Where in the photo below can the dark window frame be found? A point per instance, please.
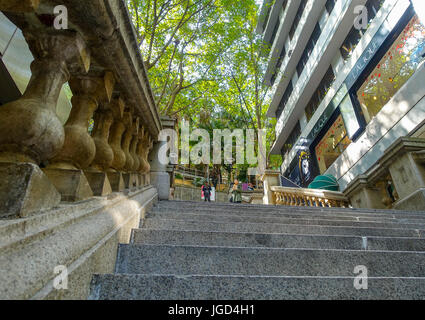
(285, 98)
(297, 19)
(320, 93)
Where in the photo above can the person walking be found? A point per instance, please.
(236, 192)
(206, 189)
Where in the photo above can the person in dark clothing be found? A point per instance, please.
(206, 189)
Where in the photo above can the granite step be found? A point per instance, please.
(195, 250)
(274, 240)
(281, 210)
(265, 214)
(193, 225)
(195, 260)
(184, 205)
(292, 212)
(195, 287)
(334, 221)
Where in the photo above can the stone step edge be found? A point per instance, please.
(239, 276)
(284, 224)
(303, 218)
(293, 213)
(141, 245)
(279, 207)
(281, 234)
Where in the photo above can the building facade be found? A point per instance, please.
(347, 82)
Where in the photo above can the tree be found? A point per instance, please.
(182, 41)
(205, 61)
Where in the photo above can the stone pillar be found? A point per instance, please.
(115, 139)
(364, 196)
(270, 179)
(160, 178)
(408, 175)
(160, 171)
(403, 161)
(30, 132)
(79, 150)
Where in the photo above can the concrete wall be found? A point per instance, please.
(83, 237)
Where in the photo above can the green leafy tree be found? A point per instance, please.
(205, 61)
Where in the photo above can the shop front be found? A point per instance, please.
(391, 59)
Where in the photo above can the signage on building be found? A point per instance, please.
(368, 54)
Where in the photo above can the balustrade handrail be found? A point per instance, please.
(308, 197)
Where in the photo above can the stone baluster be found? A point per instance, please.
(129, 178)
(134, 147)
(147, 150)
(79, 149)
(133, 152)
(115, 139)
(30, 131)
(103, 118)
(143, 152)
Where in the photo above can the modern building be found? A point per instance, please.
(346, 82)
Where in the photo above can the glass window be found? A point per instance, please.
(320, 93)
(278, 65)
(267, 16)
(330, 4)
(292, 139)
(373, 7)
(282, 12)
(353, 38)
(284, 100)
(332, 145)
(309, 49)
(350, 43)
(393, 70)
(297, 18)
(276, 28)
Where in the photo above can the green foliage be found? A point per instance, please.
(198, 182)
(205, 61)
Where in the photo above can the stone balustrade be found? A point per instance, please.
(43, 162)
(70, 191)
(308, 198)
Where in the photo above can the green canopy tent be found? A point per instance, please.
(325, 182)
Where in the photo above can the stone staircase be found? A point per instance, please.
(193, 250)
